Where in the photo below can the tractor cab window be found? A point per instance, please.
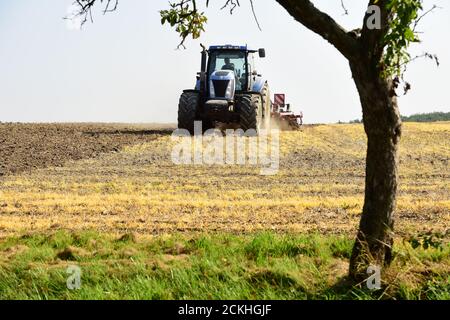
(230, 60)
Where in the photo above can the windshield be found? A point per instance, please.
(229, 60)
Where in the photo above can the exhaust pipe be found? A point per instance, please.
(202, 73)
(204, 55)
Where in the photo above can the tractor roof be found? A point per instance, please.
(231, 47)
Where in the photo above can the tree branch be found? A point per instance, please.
(416, 23)
(321, 23)
(254, 15)
(344, 7)
(107, 9)
(372, 38)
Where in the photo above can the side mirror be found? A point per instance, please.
(262, 53)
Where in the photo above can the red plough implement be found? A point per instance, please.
(283, 116)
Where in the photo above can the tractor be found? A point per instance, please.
(228, 91)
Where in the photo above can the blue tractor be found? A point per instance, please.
(229, 90)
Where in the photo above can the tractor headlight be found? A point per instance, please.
(229, 93)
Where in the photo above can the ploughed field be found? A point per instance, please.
(118, 178)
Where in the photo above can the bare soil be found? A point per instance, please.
(29, 146)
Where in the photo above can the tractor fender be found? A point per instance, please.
(197, 85)
(258, 85)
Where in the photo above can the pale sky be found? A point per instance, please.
(124, 67)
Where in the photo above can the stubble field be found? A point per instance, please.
(119, 181)
(128, 183)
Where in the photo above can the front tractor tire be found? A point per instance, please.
(250, 112)
(188, 110)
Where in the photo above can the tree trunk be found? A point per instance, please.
(382, 124)
(364, 49)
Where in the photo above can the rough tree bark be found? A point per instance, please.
(382, 125)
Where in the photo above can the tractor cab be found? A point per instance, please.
(229, 70)
(227, 62)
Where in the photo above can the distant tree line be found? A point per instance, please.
(427, 117)
(419, 117)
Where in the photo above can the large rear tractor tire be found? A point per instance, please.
(250, 112)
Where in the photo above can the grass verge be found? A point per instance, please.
(209, 266)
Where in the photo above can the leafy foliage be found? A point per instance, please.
(186, 19)
(404, 18)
